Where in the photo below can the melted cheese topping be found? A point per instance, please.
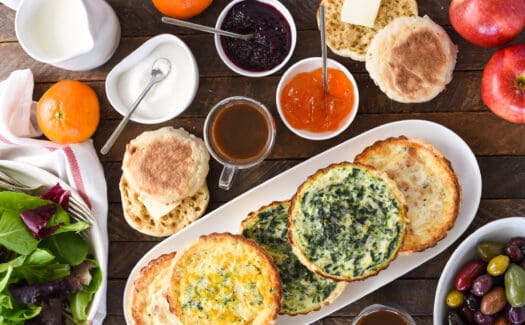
(157, 209)
(303, 290)
(224, 282)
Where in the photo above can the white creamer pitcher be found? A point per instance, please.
(69, 34)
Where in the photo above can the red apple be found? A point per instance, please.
(503, 83)
(487, 23)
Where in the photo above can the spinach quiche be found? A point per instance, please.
(426, 178)
(347, 221)
(224, 279)
(303, 290)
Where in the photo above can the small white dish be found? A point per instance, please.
(248, 73)
(308, 65)
(189, 81)
(499, 231)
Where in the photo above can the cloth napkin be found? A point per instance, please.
(75, 164)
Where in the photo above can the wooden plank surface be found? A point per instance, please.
(498, 145)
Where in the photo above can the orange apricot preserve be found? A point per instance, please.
(305, 106)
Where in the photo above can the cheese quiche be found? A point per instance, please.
(146, 303)
(303, 290)
(431, 188)
(347, 221)
(224, 279)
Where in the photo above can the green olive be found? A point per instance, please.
(487, 250)
(515, 286)
(498, 265)
(455, 298)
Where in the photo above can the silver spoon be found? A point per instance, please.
(159, 70)
(323, 47)
(202, 28)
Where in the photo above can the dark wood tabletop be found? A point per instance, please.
(499, 145)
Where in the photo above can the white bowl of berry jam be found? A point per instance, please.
(471, 285)
(272, 45)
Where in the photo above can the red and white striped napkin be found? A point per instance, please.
(75, 164)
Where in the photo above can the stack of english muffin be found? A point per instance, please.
(163, 184)
(410, 58)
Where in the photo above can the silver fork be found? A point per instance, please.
(77, 209)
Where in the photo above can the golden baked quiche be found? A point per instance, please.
(224, 279)
(347, 221)
(426, 178)
(303, 290)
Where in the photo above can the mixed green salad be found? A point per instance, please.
(47, 274)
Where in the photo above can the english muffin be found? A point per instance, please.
(347, 221)
(166, 165)
(411, 59)
(146, 302)
(224, 279)
(426, 178)
(353, 40)
(303, 291)
(185, 212)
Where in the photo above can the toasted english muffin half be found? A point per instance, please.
(426, 178)
(224, 279)
(412, 59)
(347, 221)
(147, 304)
(139, 218)
(303, 290)
(353, 40)
(166, 165)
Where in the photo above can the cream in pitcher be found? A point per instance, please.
(69, 34)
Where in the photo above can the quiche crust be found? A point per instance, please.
(224, 278)
(347, 221)
(303, 290)
(428, 181)
(146, 303)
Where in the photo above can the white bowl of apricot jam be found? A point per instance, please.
(303, 105)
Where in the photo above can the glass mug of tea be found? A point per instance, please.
(378, 314)
(239, 133)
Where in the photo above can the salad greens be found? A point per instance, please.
(45, 268)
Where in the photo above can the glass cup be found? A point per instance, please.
(378, 307)
(226, 121)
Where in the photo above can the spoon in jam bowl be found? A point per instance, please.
(202, 28)
(159, 71)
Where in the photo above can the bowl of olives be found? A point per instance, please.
(483, 282)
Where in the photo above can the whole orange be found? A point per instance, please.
(68, 112)
(182, 9)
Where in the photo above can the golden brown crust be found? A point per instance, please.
(271, 272)
(412, 59)
(140, 300)
(297, 196)
(418, 238)
(165, 165)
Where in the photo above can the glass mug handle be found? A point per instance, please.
(226, 178)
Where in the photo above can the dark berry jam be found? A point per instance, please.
(272, 36)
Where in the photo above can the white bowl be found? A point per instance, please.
(248, 73)
(143, 115)
(307, 65)
(500, 231)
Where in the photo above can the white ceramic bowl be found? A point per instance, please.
(307, 65)
(222, 54)
(141, 115)
(500, 231)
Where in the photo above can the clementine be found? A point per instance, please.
(68, 112)
(182, 9)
